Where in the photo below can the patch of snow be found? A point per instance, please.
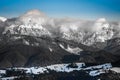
(27, 29)
(96, 72)
(35, 70)
(3, 19)
(99, 69)
(26, 42)
(61, 46)
(50, 49)
(56, 67)
(116, 69)
(92, 70)
(36, 44)
(64, 68)
(71, 50)
(103, 66)
(2, 71)
(15, 37)
(8, 78)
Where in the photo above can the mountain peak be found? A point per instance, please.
(34, 12)
(100, 24)
(33, 17)
(31, 24)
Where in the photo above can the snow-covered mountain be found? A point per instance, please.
(103, 32)
(36, 23)
(93, 34)
(34, 39)
(60, 37)
(100, 31)
(33, 17)
(30, 24)
(26, 29)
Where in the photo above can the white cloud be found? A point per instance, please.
(33, 16)
(65, 24)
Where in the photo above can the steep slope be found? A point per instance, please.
(113, 46)
(47, 52)
(17, 53)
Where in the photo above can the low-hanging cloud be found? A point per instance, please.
(64, 24)
(67, 24)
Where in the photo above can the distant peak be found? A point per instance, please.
(33, 16)
(35, 12)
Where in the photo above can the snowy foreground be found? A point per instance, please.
(92, 70)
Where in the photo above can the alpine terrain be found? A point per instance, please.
(35, 44)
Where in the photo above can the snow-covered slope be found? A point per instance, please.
(75, 50)
(27, 29)
(116, 69)
(3, 19)
(36, 23)
(92, 70)
(9, 78)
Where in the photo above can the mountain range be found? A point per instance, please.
(34, 39)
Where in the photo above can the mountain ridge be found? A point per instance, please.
(36, 40)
